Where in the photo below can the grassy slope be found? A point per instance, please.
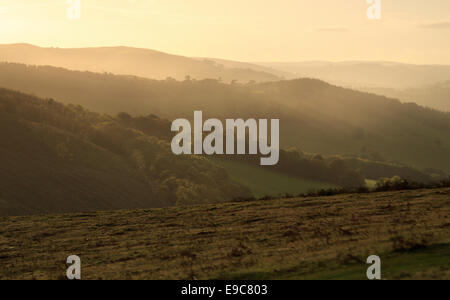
(263, 182)
(318, 238)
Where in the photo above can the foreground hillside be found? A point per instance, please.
(302, 238)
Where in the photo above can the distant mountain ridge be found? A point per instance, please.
(368, 74)
(406, 82)
(436, 96)
(132, 61)
(253, 66)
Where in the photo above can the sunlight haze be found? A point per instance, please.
(410, 31)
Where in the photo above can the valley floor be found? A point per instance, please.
(304, 238)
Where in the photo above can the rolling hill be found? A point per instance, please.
(134, 61)
(316, 117)
(426, 85)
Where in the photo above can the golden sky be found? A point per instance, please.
(412, 31)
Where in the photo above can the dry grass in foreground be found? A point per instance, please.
(319, 238)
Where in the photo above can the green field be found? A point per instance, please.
(264, 182)
(426, 263)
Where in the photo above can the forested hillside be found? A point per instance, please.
(315, 117)
(58, 158)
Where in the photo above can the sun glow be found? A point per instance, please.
(290, 30)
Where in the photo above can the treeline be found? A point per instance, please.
(383, 185)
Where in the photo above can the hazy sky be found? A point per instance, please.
(413, 31)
